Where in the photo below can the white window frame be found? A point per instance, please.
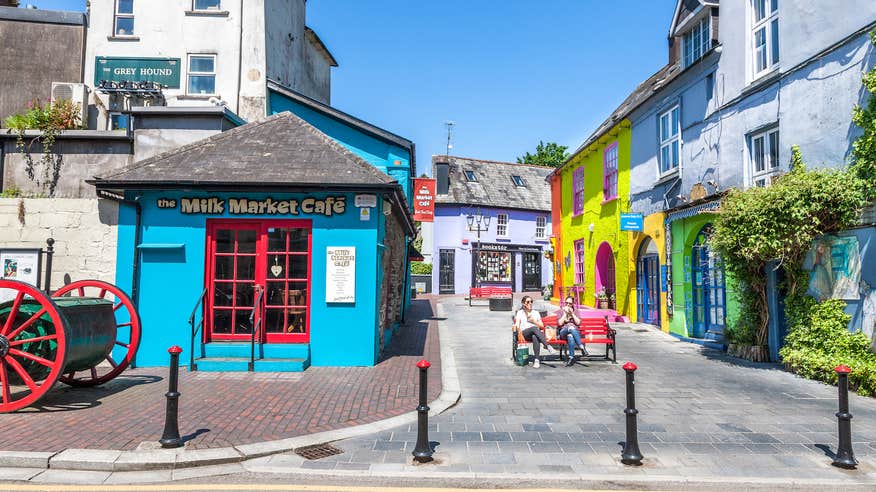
(767, 53)
(761, 147)
(122, 15)
(696, 42)
(189, 73)
(665, 142)
(540, 226)
(502, 225)
(196, 9)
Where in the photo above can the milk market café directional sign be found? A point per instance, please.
(164, 71)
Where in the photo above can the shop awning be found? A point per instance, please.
(413, 254)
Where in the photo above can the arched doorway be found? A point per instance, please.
(709, 299)
(647, 283)
(605, 277)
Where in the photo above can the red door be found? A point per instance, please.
(248, 257)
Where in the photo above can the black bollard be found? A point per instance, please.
(422, 451)
(631, 454)
(170, 438)
(845, 458)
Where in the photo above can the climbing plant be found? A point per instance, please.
(50, 120)
(778, 223)
(864, 147)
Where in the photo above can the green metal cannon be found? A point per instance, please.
(85, 334)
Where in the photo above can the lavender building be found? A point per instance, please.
(492, 225)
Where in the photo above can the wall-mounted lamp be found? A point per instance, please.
(591, 227)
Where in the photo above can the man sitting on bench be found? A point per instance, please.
(568, 324)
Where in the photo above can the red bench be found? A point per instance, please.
(592, 330)
(488, 293)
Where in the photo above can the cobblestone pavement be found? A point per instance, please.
(702, 415)
(226, 409)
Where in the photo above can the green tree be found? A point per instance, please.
(551, 154)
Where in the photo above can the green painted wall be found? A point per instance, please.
(684, 232)
(605, 217)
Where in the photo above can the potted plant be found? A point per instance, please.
(602, 298)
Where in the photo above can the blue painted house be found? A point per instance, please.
(284, 236)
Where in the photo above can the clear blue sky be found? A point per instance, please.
(509, 73)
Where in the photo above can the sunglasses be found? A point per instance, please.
(527, 302)
(569, 302)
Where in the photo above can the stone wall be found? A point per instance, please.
(84, 231)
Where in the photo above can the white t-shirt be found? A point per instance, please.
(522, 323)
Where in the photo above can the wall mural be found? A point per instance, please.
(834, 267)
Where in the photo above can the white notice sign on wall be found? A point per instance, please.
(340, 274)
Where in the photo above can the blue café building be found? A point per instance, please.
(279, 234)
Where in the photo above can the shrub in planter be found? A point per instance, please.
(420, 268)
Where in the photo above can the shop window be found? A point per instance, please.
(764, 157)
(205, 5)
(579, 262)
(246, 258)
(697, 42)
(764, 35)
(123, 21)
(540, 226)
(493, 266)
(201, 75)
(578, 191)
(609, 172)
(502, 225)
(670, 140)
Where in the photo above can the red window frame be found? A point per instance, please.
(261, 265)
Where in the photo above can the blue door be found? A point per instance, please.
(709, 298)
(647, 287)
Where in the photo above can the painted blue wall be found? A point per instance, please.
(172, 279)
(380, 153)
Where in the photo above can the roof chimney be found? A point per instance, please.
(441, 172)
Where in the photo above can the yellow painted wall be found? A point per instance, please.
(605, 217)
(653, 228)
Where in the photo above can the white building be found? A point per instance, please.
(202, 53)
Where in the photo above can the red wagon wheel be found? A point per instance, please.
(32, 345)
(127, 331)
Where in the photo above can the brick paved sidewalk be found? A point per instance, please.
(226, 409)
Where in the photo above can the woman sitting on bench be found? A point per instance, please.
(528, 325)
(568, 324)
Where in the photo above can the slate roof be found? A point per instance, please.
(494, 186)
(281, 150)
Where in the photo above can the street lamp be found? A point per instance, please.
(477, 222)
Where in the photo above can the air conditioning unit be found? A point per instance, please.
(74, 92)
